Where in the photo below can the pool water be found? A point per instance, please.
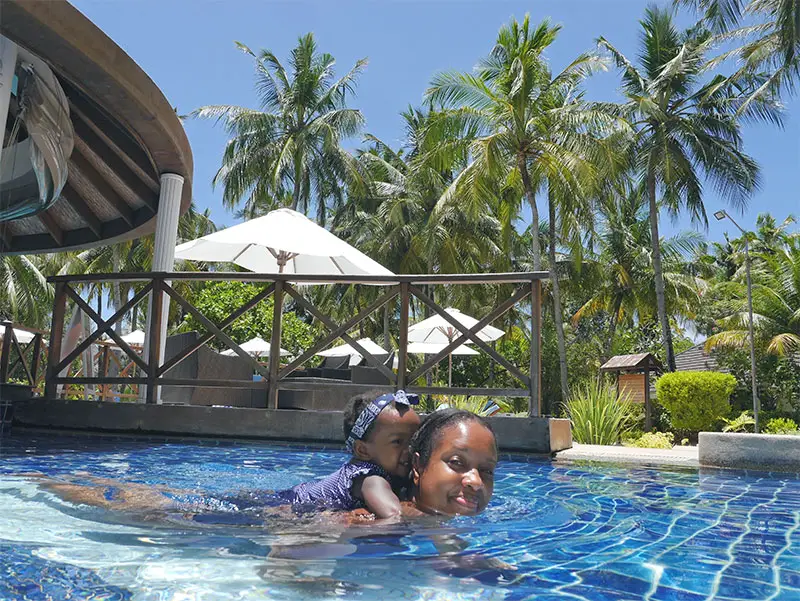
(552, 532)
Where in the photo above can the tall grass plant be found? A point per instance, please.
(598, 415)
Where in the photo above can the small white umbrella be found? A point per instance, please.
(282, 241)
(257, 347)
(432, 348)
(439, 331)
(429, 348)
(345, 350)
(22, 336)
(135, 338)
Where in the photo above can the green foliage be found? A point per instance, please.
(781, 425)
(652, 440)
(475, 404)
(598, 416)
(695, 399)
(744, 422)
(217, 300)
(289, 152)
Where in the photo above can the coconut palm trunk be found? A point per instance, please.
(661, 301)
(557, 311)
(531, 196)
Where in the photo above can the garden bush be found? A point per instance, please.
(745, 422)
(780, 425)
(696, 400)
(598, 416)
(653, 440)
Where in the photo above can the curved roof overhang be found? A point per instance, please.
(126, 134)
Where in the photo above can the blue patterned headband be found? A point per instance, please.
(371, 412)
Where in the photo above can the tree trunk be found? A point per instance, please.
(661, 301)
(531, 196)
(612, 330)
(298, 176)
(557, 311)
(116, 292)
(387, 342)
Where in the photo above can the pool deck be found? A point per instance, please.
(677, 456)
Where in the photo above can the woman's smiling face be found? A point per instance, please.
(459, 476)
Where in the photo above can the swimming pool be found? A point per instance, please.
(552, 532)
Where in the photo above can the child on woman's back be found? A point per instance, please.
(377, 428)
(377, 431)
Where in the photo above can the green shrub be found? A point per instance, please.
(696, 400)
(598, 416)
(653, 440)
(744, 423)
(780, 425)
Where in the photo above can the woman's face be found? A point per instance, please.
(459, 477)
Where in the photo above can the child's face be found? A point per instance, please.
(459, 476)
(388, 442)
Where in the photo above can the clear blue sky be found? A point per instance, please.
(186, 46)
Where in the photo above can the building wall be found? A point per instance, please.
(633, 385)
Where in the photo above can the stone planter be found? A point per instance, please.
(769, 452)
(15, 392)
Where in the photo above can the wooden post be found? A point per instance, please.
(402, 351)
(56, 337)
(36, 359)
(8, 332)
(275, 345)
(154, 358)
(648, 418)
(104, 372)
(535, 402)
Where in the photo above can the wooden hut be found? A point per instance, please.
(633, 378)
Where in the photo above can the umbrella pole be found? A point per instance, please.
(450, 371)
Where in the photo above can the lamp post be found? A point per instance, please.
(720, 215)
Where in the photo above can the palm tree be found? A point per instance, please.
(684, 129)
(776, 296)
(619, 272)
(534, 131)
(399, 220)
(772, 52)
(289, 151)
(25, 295)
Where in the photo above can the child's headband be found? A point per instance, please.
(371, 412)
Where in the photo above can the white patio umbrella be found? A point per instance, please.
(282, 241)
(257, 347)
(432, 348)
(22, 336)
(436, 330)
(344, 350)
(135, 338)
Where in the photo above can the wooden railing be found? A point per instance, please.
(27, 357)
(157, 286)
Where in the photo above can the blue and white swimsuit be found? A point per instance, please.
(331, 492)
(334, 491)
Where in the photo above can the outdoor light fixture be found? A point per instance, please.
(720, 215)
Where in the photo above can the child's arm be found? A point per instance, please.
(379, 497)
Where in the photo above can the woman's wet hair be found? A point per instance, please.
(353, 409)
(430, 432)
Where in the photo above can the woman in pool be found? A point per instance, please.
(453, 456)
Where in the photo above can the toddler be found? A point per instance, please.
(377, 432)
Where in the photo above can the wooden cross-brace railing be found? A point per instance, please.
(155, 371)
(28, 357)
